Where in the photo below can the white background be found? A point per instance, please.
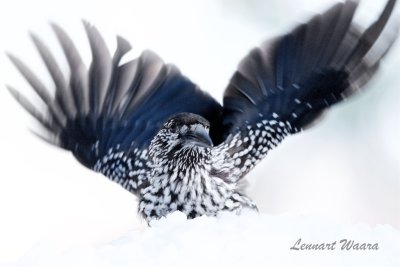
(347, 168)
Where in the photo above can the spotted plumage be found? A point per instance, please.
(150, 129)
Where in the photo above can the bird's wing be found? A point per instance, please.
(284, 85)
(107, 115)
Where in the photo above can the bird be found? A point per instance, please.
(147, 127)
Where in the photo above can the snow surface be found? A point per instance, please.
(248, 240)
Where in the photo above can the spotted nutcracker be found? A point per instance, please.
(150, 129)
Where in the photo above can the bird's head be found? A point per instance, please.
(182, 133)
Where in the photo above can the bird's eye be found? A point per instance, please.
(172, 125)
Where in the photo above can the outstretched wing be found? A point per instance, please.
(107, 115)
(281, 87)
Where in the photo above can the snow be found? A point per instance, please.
(248, 240)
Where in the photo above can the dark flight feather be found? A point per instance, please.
(305, 71)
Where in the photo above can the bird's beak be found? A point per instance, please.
(199, 136)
